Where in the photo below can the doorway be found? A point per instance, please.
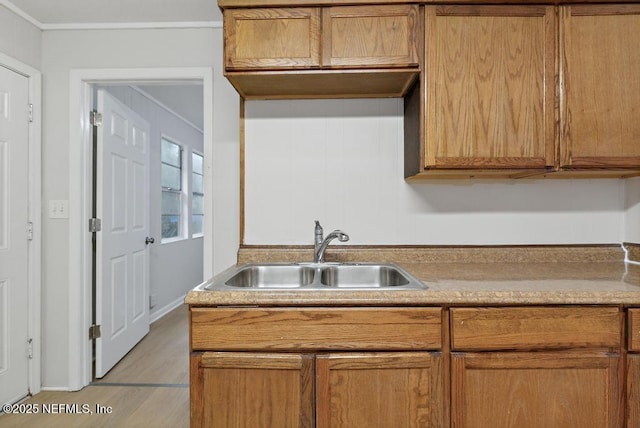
(81, 95)
(149, 251)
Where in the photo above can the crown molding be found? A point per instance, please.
(130, 25)
(21, 13)
(108, 25)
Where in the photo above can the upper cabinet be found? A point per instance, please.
(490, 74)
(322, 52)
(490, 90)
(274, 39)
(374, 36)
(600, 86)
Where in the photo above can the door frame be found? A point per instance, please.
(80, 193)
(34, 248)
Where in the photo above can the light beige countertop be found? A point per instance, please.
(497, 276)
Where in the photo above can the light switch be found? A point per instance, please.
(58, 208)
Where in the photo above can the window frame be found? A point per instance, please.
(181, 235)
(194, 193)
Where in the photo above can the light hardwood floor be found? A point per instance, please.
(148, 388)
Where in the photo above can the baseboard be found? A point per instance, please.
(155, 316)
(55, 388)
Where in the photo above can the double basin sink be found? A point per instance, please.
(315, 276)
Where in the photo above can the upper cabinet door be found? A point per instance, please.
(372, 36)
(490, 80)
(600, 92)
(278, 38)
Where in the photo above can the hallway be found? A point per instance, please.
(148, 387)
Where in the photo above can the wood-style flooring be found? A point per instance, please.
(149, 387)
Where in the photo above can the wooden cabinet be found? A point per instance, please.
(244, 389)
(490, 85)
(572, 378)
(351, 389)
(507, 91)
(374, 36)
(402, 389)
(323, 52)
(324, 367)
(526, 366)
(633, 390)
(535, 389)
(274, 38)
(633, 368)
(600, 87)
(491, 90)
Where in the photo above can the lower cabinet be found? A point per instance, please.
(346, 389)
(633, 368)
(461, 367)
(535, 389)
(531, 367)
(633, 390)
(402, 389)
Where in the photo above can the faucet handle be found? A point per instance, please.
(318, 234)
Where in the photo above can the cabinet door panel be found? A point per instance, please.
(531, 390)
(490, 73)
(379, 389)
(272, 38)
(371, 36)
(256, 390)
(633, 390)
(634, 329)
(600, 50)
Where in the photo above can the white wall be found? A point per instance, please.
(632, 218)
(341, 162)
(63, 51)
(20, 39)
(176, 266)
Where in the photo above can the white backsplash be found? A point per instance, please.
(341, 162)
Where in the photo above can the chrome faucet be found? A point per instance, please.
(321, 243)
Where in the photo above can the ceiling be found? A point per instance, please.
(56, 12)
(185, 99)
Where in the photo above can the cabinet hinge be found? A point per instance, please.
(96, 118)
(29, 231)
(30, 348)
(30, 112)
(94, 331)
(95, 225)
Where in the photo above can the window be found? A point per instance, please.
(171, 156)
(197, 194)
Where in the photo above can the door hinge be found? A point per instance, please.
(95, 225)
(94, 332)
(30, 112)
(96, 118)
(29, 231)
(30, 348)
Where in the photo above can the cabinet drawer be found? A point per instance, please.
(535, 327)
(634, 329)
(316, 329)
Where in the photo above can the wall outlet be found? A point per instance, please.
(58, 208)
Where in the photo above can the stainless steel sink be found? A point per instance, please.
(363, 276)
(272, 276)
(316, 276)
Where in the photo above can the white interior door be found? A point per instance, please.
(14, 176)
(122, 262)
